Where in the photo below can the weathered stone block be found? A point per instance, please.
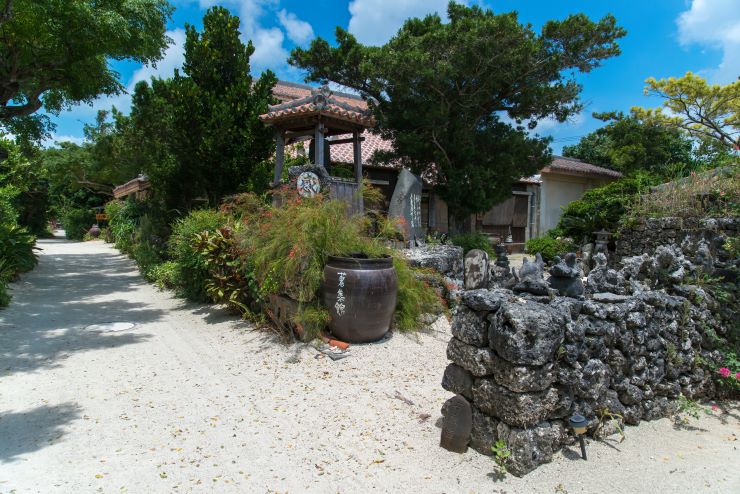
(456, 425)
(526, 334)
(517, 409)
(457, 380)
(483, 434)
(522, 378)
(486, 300)
(531, 447)
(476, 269)
(470, 326)
(479, 361)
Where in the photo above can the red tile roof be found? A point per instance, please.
(290, 91)
(572, 166)
(320, 102)
(343, 153)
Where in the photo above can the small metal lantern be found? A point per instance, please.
(580, 425)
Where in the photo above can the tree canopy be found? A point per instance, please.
(54, 53)
(707, 111)
(453, 97)
(630, 145)
(197, 135)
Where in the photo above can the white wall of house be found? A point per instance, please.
(559, 190)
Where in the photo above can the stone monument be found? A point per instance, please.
(406, 205)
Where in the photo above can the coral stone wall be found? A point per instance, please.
(628, 342)
(527, 366)
(646, 236)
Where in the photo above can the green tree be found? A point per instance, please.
(55, 53)
(629, 145)
(440, 91)
(24, 194)
(708, 111)
(198, 134)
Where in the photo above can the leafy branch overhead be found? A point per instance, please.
(55, 53)
(707, 111)
(442, 92)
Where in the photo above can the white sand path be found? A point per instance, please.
(193, 400)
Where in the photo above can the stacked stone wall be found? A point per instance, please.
(686, 233)
(626, 343)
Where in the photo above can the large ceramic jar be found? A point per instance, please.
(360, 294)
(94, 231)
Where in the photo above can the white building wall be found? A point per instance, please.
(557, 191)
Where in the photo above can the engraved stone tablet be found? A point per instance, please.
(457, 424)
(406, 204)
(476, 269)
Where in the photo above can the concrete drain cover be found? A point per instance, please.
(111, 326)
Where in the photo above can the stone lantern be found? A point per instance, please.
(602, 241)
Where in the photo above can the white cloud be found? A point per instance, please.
(298, 31)
(714, 23)
(269, 52)
(56, 138)
(551, 124)
(374, 22)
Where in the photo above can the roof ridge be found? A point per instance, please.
(299, 85)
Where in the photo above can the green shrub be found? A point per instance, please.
(230, 280)
(291, 244)
(4, 295)
(5, 276)
(288, 247)
(549, 247)
(599, 208)
(713, 193)
(192, 271)
(8, 212)
(77, 222)
(164, 275)
(474, 240)
(123, 217)
(415, 297)
(16, 251)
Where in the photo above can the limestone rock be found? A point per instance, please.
(483, 435)
(476, 269)
(479, 361)
(517, 409)
(530, 277)
(470, 326)
(565, 276)
(486, 300)
(531, 447)
(457, 380)
(526, 334)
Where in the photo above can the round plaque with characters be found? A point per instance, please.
(308, 184)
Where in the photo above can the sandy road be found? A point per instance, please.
(192, 400)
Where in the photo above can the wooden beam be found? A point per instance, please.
(343, 141)
(319, 145)
(279, 157)
(358, 167)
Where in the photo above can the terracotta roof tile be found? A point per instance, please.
(289, 91)
(574, 166)
(317, 102)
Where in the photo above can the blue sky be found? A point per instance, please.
(664, 38)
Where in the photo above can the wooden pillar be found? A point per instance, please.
(279, 157)
(319, 145)
(357, 148)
